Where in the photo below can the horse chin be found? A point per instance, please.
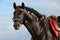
(17, 27)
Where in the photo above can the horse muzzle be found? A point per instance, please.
(17, 26)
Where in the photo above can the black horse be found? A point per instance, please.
(36, 23)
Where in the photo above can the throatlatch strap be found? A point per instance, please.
(54, 29)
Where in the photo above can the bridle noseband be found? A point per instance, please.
(17, 19)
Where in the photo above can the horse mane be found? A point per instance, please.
(32, 10)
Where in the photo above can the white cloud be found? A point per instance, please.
(58, 2)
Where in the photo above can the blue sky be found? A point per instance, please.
(7, 32)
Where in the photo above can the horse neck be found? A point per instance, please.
(27, 22)
(33, 28)
(32, 25)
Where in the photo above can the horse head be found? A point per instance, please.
(18, 16)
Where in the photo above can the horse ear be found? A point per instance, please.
(14, 5)
(23, 5)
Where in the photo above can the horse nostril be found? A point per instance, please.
(18, 25)
(14, 25)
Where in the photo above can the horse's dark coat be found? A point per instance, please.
(39, 30)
